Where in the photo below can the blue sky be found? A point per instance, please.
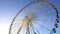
(9, 8)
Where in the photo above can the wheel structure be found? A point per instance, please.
(37, 17)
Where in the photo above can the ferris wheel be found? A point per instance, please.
(37, 17)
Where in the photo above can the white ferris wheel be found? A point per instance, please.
(37, 17)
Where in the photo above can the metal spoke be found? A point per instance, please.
(51, 21)
(42, 26)
(19, 29)
(45, 15)
(33, 28)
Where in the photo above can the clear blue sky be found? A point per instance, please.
(9, 8)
